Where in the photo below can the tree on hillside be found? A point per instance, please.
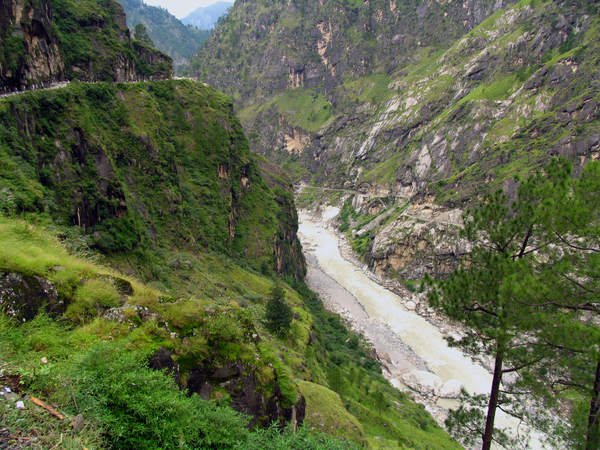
(380, 401)
(278, 313)
(496, 290)
(141, 34)
(336, 380)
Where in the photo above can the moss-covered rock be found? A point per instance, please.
(325, 412)
(24, 296)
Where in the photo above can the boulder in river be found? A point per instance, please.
(451, 389)
(425, 383)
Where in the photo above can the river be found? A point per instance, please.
(425, 340)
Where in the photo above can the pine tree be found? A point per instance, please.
(380, 401)
(278, 313)
(567, 293)
(141, 34)
(336, 380)
(486, 293)
(529, 289)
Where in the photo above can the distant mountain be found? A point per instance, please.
(169, 35)
(206, 17)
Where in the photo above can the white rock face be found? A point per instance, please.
(451, 389)
(410, 305)
(423, 382)
(396, 383)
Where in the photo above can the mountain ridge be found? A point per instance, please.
(206, 17)
(335, 105)
(420, 106)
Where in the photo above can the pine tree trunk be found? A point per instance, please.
(592, 431)
(493, 404)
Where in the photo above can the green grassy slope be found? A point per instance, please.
(96, 362)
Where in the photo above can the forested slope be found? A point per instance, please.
(169, 34)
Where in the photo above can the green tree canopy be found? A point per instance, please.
(532, 270)
(278, 313)
(141, 34)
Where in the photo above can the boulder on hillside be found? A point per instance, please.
(162, 360)
(451, 389)
(24, 296)
(425, 383)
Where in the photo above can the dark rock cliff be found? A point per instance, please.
(31, 55)
(48, 41)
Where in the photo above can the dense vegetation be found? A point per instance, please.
(97, 363)
(95, 45)
(166, 164)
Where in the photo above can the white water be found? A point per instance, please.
(424, 339)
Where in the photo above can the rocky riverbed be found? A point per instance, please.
(402, 367)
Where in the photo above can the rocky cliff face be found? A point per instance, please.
(413, 95)
(265, 47)
(26, 29)
(47, 41)
(144, 165)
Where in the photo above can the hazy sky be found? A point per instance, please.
(181, 8)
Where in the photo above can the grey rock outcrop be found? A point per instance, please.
(24, 296)
(451, 389)
(425, 383)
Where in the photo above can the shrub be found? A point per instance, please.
(278, 313)
(94, 295)
(253, 297)
(143, 409)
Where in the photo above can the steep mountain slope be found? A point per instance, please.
(206, 17)
(168, 33)
(167, 164)
(158, 176)
(47, 41)
(434, 102)
(314, 90)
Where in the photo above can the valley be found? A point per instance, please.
(339, 200)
